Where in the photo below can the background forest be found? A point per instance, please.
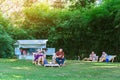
(77, 26)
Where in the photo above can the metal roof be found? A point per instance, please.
(44, 41)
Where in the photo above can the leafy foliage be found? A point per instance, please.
(89, 30)
(79, 29)
(6, 41)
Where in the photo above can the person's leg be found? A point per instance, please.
(96, 58)
(93, 59)
(89, 59)
(42, 60)
(62, 61)
(58, 60)
(103, 59)
(45, 61)
(39, 59)
(35, 59)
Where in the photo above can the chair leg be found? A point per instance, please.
(112, 60)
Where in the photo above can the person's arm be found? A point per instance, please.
(63, 55)
(44, 56)
(105, 54)
(54, 56)
(57, 56)
(95, 55)
(90, 56)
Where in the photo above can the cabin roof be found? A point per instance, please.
(31, 42)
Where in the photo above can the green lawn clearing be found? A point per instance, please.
(13, 69)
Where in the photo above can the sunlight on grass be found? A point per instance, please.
(104, 67)
(16, 76)
(12, 60)
(8, 60)
(21, 68)
(104, 64)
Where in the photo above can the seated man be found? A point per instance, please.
(60, 57)
(103, 57)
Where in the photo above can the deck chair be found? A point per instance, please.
(110, 58)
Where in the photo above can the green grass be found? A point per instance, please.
(12, 69)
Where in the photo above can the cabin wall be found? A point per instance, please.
(29, 57)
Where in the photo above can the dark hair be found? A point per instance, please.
(45, 49)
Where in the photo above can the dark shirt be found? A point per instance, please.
(60, 54)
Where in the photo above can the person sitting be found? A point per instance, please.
(60, 57)
(41, 58)
(103, 57)
(92, 57)
(38, 57)
(44, 55)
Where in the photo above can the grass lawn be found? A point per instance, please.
(12, 69)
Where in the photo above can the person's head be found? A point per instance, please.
(103, 52)
(60, 50)
(45, 49)
(39, 51)
(92, 52)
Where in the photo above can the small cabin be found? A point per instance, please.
(24, 49)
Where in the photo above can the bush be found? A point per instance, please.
(6, 42)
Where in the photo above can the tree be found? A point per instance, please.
(6, 48)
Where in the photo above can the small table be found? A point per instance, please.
(51, 65)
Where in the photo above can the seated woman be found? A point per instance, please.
(38, 57)
(92, 57)
(41, 58)
(103, 57)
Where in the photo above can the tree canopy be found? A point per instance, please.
(77, 26)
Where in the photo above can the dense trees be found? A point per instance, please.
(89, 29)
(79, 28)
(6, 48)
